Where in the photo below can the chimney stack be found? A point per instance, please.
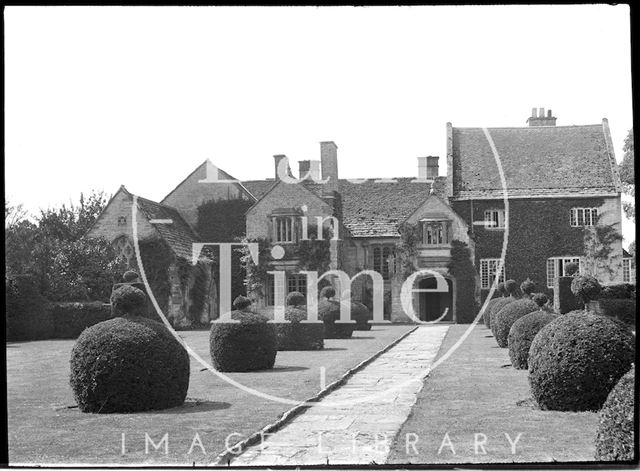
(538, 118)
(432, 167)
(276, 160)
(329, 163)
(303, 168)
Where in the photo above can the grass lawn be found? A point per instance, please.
(475, 392)
(43, 429)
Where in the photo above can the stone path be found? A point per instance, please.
(341, 431)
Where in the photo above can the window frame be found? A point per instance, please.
(386, 250)
(486, 272)
(445, 226)
(552, 274)
(628, 270)
(490, 222)
(278, 231)
(578, 216)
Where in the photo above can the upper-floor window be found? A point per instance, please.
(284, 229)
(556, 266)
(628, 270)
(489, 271)
(435, 232)
(494, 219)
(584, 217)
(124, 249)
(122, 221)
(383, 260)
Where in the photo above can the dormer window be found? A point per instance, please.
(284, 229)
(494, 219)
(435, 232)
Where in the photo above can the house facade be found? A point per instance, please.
(528, 193)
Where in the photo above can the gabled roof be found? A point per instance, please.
(375, 209)
(371, 208)
(537, 161)
(222, 175)
(178, 234)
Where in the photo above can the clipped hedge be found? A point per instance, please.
(563, 298)
(27, 313)
(361, 314)
(576, 360)
(496, 307)
(329, 313)
(504, 319)
(622, 309)
(619, 291)
(128, 365)
(614, 439)
(251, 344)
(486, 315)
(522, 333)
(70, 319)
(296, 335)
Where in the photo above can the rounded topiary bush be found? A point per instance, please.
(571, 268)
(522, 333)
(614, 439)
(496, 307)
(527, 287)
(128, 365)
(247, 345)
(511, 287)
(576, 359)
(296, 335)
(241, 303)
(504, 319)
(127, 300)
(295, 298)
(327, 292)
(361, 314)
(540, 299)
(585, 288)
(329, 313)
(486, 315)
(130, 276)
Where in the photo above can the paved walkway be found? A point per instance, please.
(341, 431)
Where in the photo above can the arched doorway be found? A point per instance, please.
(432, 305)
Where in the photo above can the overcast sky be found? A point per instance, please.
(97, 97)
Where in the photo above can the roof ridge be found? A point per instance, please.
(529, 127)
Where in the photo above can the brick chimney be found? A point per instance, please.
(310, 166)
(329, 163)
(538, 118)
(276, 162)
(303, 168)
(428, 168)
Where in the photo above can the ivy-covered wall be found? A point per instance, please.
(538, 229)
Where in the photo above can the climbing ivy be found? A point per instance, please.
(225, 221)
(538, 230)
(406, 251)
(464, 273)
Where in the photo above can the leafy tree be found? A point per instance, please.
(598, 246)
(627, 176)
(65, 265)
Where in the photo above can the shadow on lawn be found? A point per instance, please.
(281, 369)
(192, 406)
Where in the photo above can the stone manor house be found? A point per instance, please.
(546, 186)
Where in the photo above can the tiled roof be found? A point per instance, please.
(178, 234)
(258, 187)
(537, 161)
(371, 209)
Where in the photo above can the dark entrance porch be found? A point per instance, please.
(431, 306)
